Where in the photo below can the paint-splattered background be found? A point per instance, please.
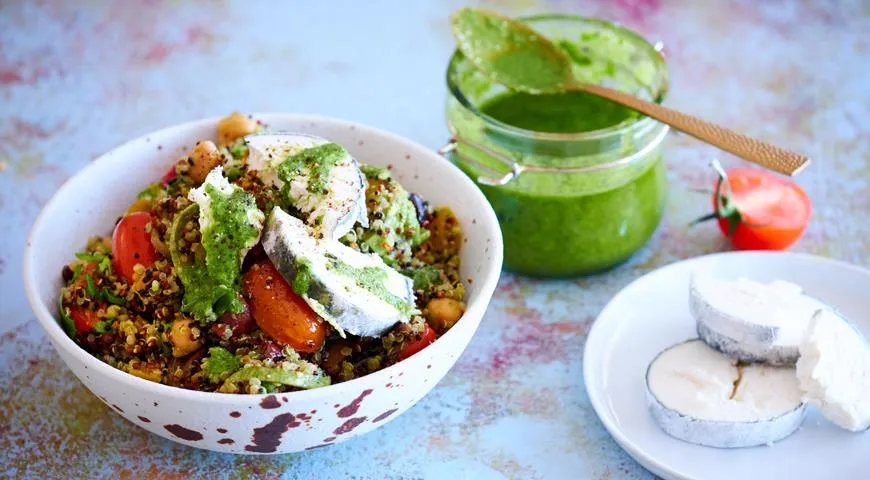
(77, 78)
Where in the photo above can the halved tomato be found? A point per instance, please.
(131, 244)
(279, 311)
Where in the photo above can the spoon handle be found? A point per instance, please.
(747, 148)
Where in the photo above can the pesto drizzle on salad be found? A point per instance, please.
(372, 279)
(318, 161)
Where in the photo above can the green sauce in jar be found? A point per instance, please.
(592, 182)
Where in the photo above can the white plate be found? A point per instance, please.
(652, 314)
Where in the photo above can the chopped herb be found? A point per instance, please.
(152, 191)
(238, 149)
(69, 326)
(102, 293)
(111, 298)
(90, 288)
(104, 262)
(77, 272)
(89, 257)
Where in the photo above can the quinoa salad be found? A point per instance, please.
(265, 262)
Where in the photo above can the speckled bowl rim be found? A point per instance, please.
(477, 301)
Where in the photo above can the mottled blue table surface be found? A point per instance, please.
(78, 78)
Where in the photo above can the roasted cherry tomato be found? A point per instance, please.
(279, 311)
(418, 342)
(84, 319)
(758, 210)
(131, 244)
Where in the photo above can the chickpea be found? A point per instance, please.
(182, 337)
(234, 127)
(443, 313)
(203, 158)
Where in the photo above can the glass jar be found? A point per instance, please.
(568, 204)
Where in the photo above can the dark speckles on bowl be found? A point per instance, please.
(384, 415)
(349, 425)
(267, 438)
(183, 432)
(353, 406)
(270, 402)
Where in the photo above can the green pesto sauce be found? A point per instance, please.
(559, 230)
(204, 297)
(230, 233)
(510, 52)
(372, 280)
(302, 279)
(316, 162)
(567, 112)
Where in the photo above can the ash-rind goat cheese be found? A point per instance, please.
(355, 292)
(699, 395)
(317, 177)
(751, 321)
(834, 371)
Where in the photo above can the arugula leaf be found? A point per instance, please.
(220, 364)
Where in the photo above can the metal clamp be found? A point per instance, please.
(515, 169)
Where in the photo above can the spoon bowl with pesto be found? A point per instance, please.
(513, 54)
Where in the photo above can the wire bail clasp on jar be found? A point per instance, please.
(515, 168)
(496, 178)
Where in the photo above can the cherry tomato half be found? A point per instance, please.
(84, 319)
(418, 342)
(279, 311)
(765, 211)
(131, 244)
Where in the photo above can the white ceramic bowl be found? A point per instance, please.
(90, 202)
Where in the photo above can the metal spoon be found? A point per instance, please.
(518, 57)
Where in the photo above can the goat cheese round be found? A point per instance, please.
(751, 321)
(700, 396)
(834, 371)
(319, 178)
(355, 292)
